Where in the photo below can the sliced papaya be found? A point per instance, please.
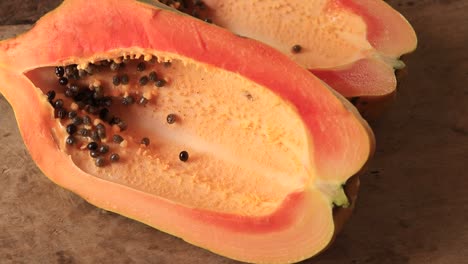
(182, 125)
(352, 45)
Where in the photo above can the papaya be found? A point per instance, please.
(352, 45)
(182, 125)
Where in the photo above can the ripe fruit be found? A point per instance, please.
(268, 146)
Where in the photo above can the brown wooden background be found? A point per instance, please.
(413, 205)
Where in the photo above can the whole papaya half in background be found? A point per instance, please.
(352, 45)
(182, 125)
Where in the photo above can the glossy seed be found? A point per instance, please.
(114, 66)
(100, 126)
(91, 109)
(94, 136)
(94, 153)
(171, 118)
(71, 129)
(145, 141)
(128, 100)
(296, 48)
(104, 149)
(153, 76)
(141, 66)
(101, 133)
(160, 83)
(100, 161)
(207, 20)
(70, 140)
(124, 79)
(83, 132)
(86, 120)
(72, 114)
(92, 146)
(114, 120)
(122, 125)
(117, 139)
(69, 93)
(70, 70)
(59, 71)
(51, 95)
(82, 73)
(116, 80)
(63, 81)
(58, 104)
(60, 113)
(114, 157)
(143, 80)
(91, 69)
(143, 101)
(183, 156)
(77, 120)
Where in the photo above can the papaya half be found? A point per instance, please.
(187, 127)
(352, 45)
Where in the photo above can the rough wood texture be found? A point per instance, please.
(413, 206)
(13, 12)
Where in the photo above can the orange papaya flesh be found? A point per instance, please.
(353, 45)
(268, 145)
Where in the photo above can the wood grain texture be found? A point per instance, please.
(13, 12)
(413, 206)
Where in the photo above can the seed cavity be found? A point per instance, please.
(82, 101)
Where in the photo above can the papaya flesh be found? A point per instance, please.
(352, 45)
(182, 125)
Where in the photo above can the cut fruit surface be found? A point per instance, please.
(324, 36)
(211, 119)
(160, 117)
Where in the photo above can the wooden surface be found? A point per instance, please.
(413, 205)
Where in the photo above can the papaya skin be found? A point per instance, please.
(372, 34)
(340, 141)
